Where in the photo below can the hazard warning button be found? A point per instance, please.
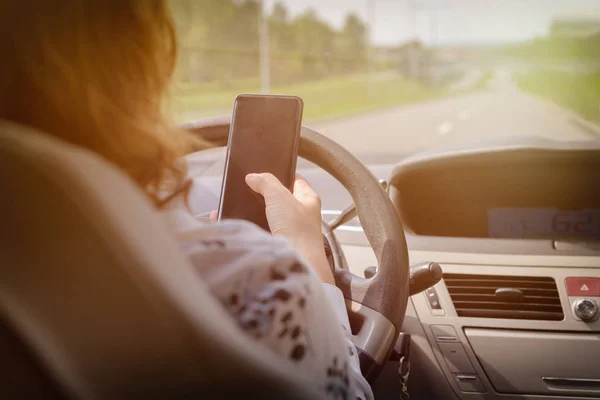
(583, 286)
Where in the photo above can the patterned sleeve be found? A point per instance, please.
(278, 300)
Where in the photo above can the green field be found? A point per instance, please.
(484, 80)
(323, 99)
(578, 92)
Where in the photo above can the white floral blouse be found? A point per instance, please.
(276, 299)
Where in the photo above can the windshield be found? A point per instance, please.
(388, 78)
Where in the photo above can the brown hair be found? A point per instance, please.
(93, 73)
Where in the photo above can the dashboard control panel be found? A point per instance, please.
(578, 286)
(586, 309)
(434, 301)
(471, 350)
(584, 297)
(456, 359)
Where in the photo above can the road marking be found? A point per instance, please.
(445, 128)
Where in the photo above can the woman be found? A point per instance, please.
(93, 73)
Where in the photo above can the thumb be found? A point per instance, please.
(265, 184)
(305, 194)
(302, 188)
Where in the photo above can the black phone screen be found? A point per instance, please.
(263, 137)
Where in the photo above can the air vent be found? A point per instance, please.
(512, 297)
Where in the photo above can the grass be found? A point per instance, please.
(579, 92)
(484, 80)
(324, 99)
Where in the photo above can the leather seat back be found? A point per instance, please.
(97, 301)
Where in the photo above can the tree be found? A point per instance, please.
(314, 43)
(218, 41)
(282, 45)
(352, 43)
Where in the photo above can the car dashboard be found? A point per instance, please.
(516, 229)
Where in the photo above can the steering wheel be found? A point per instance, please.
(376, 306)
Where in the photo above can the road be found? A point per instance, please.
(470, 78)
(498, 112)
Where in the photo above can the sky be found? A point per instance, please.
(450, 21)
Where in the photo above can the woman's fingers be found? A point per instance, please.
(305, 194)
(266, 184)
(270, 188)
(302, 187)
(297, 217)
(214, 216)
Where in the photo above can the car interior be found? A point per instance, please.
(511, 318)
(515, 315)
(470, 269)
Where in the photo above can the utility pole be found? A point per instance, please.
(263, 46)
(413, 52)
(372, 53)
(433, 26)
(412, 12)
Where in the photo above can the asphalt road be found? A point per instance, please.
(498, 112)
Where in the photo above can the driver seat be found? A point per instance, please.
(97, 301)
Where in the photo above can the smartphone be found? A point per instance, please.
(263, 137)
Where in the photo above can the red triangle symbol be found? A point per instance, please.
(584, 288)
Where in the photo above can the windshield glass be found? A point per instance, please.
(388, 78)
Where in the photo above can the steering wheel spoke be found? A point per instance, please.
(374, 336)
(350, 212)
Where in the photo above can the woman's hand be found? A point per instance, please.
(296, 216)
